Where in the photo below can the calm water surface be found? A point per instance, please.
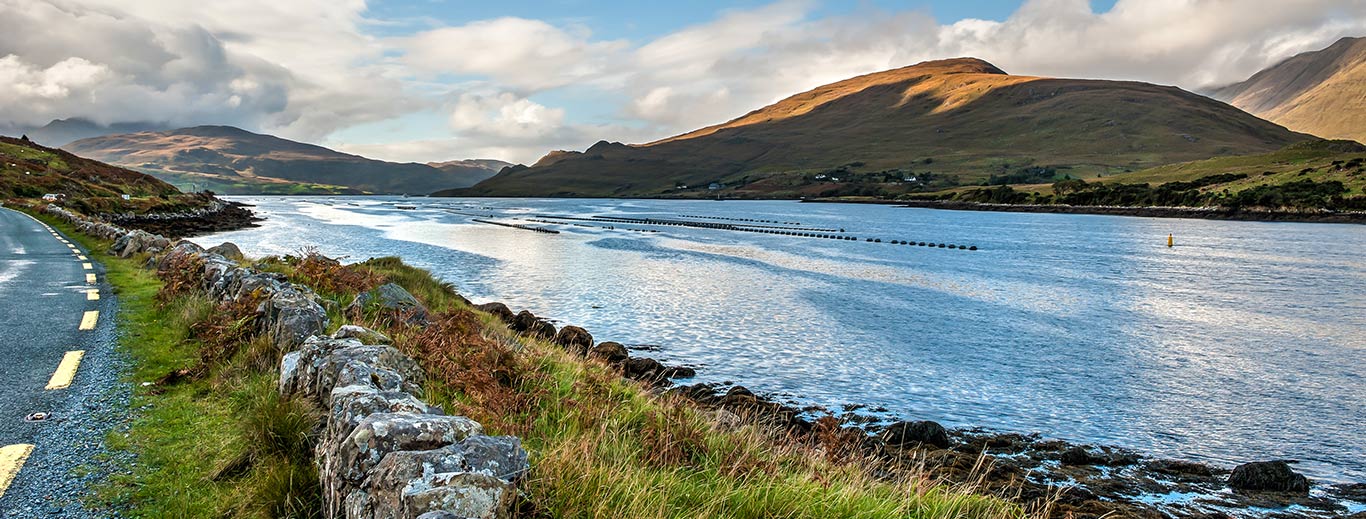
(1246, 341)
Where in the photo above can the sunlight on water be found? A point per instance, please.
(1244, 342)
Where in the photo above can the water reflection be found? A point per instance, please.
(1244, 342)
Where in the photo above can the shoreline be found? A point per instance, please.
(1064, 478)
(1199, 213)
(1100, 475)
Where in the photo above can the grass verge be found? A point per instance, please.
(221, 443)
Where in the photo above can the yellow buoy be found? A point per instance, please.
(1169, 240)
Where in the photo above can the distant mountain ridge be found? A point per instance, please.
(963, 118)
(472, 171)
(231, 158)
(1320, 92)
(60, 132)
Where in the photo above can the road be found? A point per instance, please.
(57, 356)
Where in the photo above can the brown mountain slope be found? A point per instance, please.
(29, 170)
(961, 119)
(1321, 92)
(251, 162)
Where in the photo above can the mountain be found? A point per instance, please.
(60, 132)
(957, 121)
(30, 170)
(235, 161)
(1321, 92)
(471, 171)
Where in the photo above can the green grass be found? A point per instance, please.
(190, 182)
(1279, 167)
(186, 435)
(227, 445)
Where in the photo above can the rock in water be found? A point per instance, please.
(612, 352)
(645, 369)
(909, 434)
(527, 323)
(1273, 476)
(392, 299)
(574, 339)
(499, 310)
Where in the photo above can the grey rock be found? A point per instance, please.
(351, 404)
(325, 364)
(292, 315)
(360, 333)
(228, 250)
(137, 241)
(403, 474)
(391, 299)
(346, 464)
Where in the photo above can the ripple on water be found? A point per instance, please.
(1244, 342)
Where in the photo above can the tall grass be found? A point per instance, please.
(221, 443)
(224, 444)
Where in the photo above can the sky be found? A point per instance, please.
(432, 80)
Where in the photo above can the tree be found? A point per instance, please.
(1071, 185)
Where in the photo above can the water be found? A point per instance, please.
(1246, 341)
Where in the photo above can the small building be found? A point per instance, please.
(714, 186)
(126, 197)
(820, 176)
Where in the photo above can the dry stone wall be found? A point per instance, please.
(382, 451)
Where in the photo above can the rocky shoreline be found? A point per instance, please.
(1053, 477)
(216, 216)
(1049, 477)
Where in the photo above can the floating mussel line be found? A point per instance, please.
(518, 226)
(727, 218)
(761, 229)
(608, 227)
(686, 223)
(453, 211)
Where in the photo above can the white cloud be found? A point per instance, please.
(305, 69)
(505, 115)
(517, 52)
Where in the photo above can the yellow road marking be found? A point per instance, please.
(87, 266)
(12, 458)
(88, 320)
(92, 294)
(90, 278)
(66, 370)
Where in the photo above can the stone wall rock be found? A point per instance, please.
(383, 452)
(386, 454)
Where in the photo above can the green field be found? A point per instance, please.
(191, 182)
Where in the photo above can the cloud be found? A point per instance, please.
(306, 69)
(516, 52)
(302, 69)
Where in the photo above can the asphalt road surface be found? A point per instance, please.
(57, 356)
